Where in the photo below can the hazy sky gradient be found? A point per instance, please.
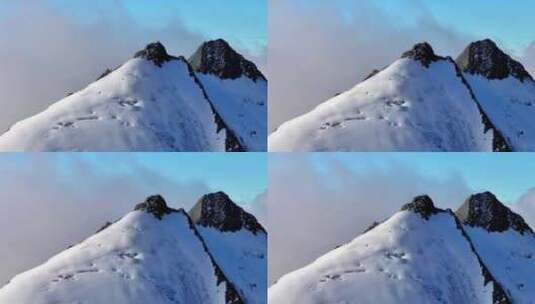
(49, 201)
(320, 48)
(68, 44)
(319, 201)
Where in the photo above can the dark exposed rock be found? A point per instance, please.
(422, 205)
(422, 52)
(106, 73)
(486, 211)
(218, 58)
(217, 210)
(155, 205)
(156, 53)
(485, 58)
(373, 225)
(373, 73)
(106, 225)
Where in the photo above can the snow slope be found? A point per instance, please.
(419, 255)
(151, 255)
(238, 244)
(242, 103)
(505, 91)
(238, 91)
(419, 103)
(153, 102)
(505, 243)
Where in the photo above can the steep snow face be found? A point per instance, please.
(413, 105)
(242, 104)
(510, 105)
(237, 89)
(406, 259)
(139, 259)
(510, 257)
(242, 256)
(505, 243)
(237, 242)
(144, 105)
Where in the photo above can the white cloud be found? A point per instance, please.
(47, 204)
(46, 54)
(313, 209)
(315, 54)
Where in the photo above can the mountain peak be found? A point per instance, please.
(486, 211)
(422, 205)
(217, 210)
(217, 57)
(485, 58)
(156, 205)
(154, 52)
(422, 52)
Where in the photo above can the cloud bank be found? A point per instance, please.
(316, 50)
(50, 201)
(313, 209)
(43, 60)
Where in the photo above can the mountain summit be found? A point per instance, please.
(217, 57)
(154, 102)
(154, 254)
(485, 58)
(423, 254)
(421, 102)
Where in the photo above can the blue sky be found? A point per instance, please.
(241, 176)
(506, 21)
(508, 176)
(242, 22)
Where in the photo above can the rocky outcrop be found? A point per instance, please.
(486, 211)
(423, 206)
(486, 59)
(218, 211)
(217, 57)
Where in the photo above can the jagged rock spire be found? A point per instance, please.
(485, 58)
(422, 52)
(218, 211)
(486, 211)
(217, 57)
(422, 205)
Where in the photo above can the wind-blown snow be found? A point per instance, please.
(138, 107)
(139, 259)
(242, 256)
(242, 103)
(510, 257)
(406, 259)
(406, 107)
(510, 105)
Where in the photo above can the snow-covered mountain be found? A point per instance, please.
(153, 102)
(505, 91)
(424, 102)
(238, 91)
(505, 243)
(422, 254)
(154, 254)
(238, 243)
